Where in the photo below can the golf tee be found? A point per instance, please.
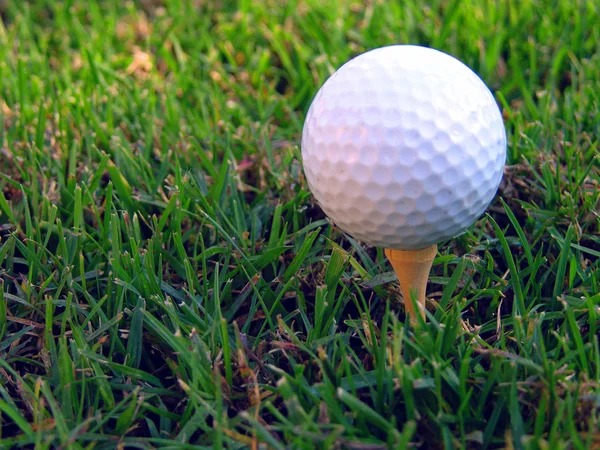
(412, 268)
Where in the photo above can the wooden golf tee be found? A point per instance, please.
(412, 268)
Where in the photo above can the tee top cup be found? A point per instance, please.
(404, 147)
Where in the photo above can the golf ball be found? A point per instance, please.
(404, 147)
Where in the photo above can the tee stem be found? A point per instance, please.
(412, 268)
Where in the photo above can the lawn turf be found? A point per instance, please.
(169, 282)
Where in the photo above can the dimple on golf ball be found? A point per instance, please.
(404, 147)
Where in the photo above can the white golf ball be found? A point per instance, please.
(404, 147)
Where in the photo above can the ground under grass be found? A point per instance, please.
(168, 281)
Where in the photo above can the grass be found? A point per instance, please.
(169, 282)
